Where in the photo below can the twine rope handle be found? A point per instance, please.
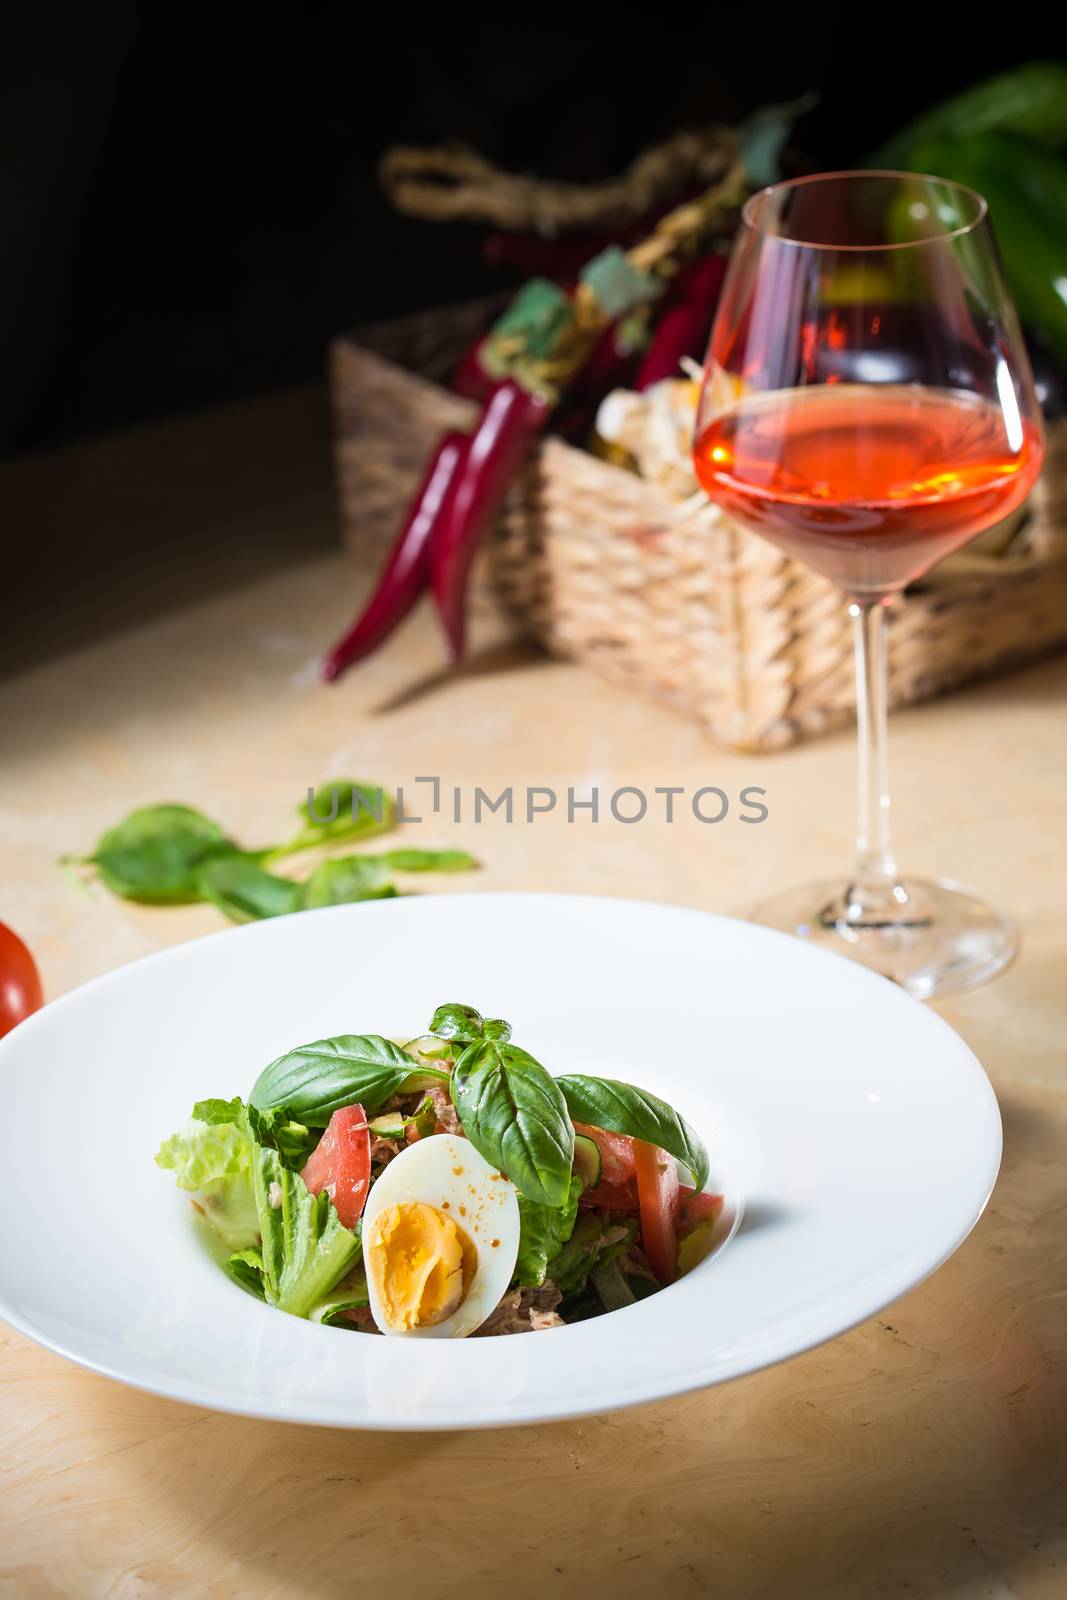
(676, 240)
(451, 183)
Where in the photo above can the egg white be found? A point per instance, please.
(448, 1173)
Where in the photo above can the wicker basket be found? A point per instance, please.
(605, 568)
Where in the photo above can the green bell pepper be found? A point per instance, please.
(1030, 100)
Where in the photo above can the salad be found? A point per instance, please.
(445, 1187)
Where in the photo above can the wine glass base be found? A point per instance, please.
(930, 937)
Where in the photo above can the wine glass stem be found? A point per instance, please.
(876, 876)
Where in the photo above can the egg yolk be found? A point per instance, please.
(421, 1263)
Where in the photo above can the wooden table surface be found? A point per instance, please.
(159, 642)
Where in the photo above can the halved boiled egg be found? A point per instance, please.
(440, 1238)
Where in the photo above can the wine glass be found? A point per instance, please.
(868, 407)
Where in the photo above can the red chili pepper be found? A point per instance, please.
(610, 366)
(509, 425)
(470, 378)
(685, 323)
(407, 569)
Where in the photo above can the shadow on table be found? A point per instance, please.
(491, 662)
(923, 1453)
(112, 533)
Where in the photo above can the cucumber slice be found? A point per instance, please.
(428, 1047)
(390, 1125)
(587, 1163)
(425, 1118)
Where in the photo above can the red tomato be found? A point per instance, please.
(615, 1196)
(657, 1190)
(340, 1163)
(616, 1153)
(20, 982)
(695, 1209)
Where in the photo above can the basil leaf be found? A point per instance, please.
(513, 1113)
(341, 883)
(543, 1231)
(427, 860)
(243, 891)
(156, 853)
(352, 811)
(496, 1028)
(455, 1021)
(620, 1108)
(313, 1081)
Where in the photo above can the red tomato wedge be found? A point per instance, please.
(616, 1153)
(340, 1163)
(657, 1191)
(20, 982)
(695, 1209)
(614, 1196)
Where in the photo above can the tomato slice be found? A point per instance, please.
(696, 1209)
(657, 1191)
(20, 982)
(616, 1153)
(340, 1163)
(614, 1196)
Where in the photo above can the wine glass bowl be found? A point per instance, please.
(867, 406)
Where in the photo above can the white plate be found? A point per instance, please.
(860, 1131)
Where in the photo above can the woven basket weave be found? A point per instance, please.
(607, 569)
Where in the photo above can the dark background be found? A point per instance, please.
(190, 205)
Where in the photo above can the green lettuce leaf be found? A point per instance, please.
(349, 1295)
(219, 1110)
(620, 1282)
(591, 1245)
(213, 1161)
(542, 1231)
(293, 1142)
(306, 1248)
(246, 1269)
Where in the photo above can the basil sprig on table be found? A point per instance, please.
(620, 1108)
(173, 854)
(243, 890)
(313, 1081)
(156, 854)
(343, 882)
(514, 1114)
(348, 810)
